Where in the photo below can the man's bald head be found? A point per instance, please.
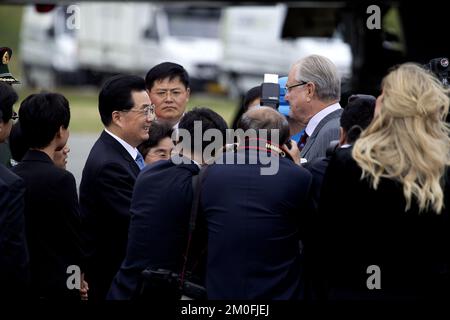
(265, 118)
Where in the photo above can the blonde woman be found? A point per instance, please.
(384, 211)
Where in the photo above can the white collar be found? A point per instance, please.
(131, 150)
(198, 164)
(312, 124)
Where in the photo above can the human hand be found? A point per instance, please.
(292, 150)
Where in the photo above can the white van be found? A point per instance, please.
(252, 46)
(119, 37)
(48, 49)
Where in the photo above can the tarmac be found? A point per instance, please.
(80, 145)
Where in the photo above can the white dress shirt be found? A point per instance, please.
(131, 150)
(312, 124)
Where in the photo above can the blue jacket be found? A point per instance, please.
(254, 227)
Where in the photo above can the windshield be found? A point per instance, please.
(194, 23)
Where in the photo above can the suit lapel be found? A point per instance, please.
(108, 139)
(310, 142)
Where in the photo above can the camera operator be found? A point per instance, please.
(255, 221)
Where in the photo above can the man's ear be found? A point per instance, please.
(188, 94)
(116, 118)
(342, 136)
(311, 89)
(59, 132)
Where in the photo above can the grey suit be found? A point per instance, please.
(326, 131)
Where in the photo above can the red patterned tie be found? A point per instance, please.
(302, 141)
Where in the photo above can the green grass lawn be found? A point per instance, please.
(84, 111)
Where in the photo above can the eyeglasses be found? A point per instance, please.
(289, 88)
(148, 111)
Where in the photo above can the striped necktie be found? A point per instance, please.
(140, 161)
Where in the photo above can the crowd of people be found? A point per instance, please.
(358, 208)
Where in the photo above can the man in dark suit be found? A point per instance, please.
(356, 116)
(52, 214)
(313, 90)
(109, 176)
(14, 261)
(254, 220)
(160, 211)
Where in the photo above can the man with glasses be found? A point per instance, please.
(313, 90)
(109, 176)
(168, 87)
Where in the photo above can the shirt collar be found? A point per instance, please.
(312, 124)
(131, 150)
(198, 164)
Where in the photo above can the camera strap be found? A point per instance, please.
(196, 190)
(263, 145)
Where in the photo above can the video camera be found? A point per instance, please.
(163, 284)
(440, 67)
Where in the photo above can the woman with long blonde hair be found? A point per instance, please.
(384, 210)
(408, 141)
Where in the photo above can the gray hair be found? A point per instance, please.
(323, 73)
(265, 118)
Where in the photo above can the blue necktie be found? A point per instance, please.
(140, 161)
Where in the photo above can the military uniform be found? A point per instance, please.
(7, 77)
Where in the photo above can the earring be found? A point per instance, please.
(308, 99)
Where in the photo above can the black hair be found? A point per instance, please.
(166, 70)
(41, 115)
(268, 119)
(357, 115)
(115, 95)
(17, 143)
(252, 94)
(157, 132)
(8, 97)
(209, 120)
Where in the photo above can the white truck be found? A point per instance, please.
(252, 46)
(118, 37)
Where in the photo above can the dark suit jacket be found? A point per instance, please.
(105, 196)
(326, 131)
(359, 227)
(52, 224)
(14, 260)
(160, 211)
(254, 227)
